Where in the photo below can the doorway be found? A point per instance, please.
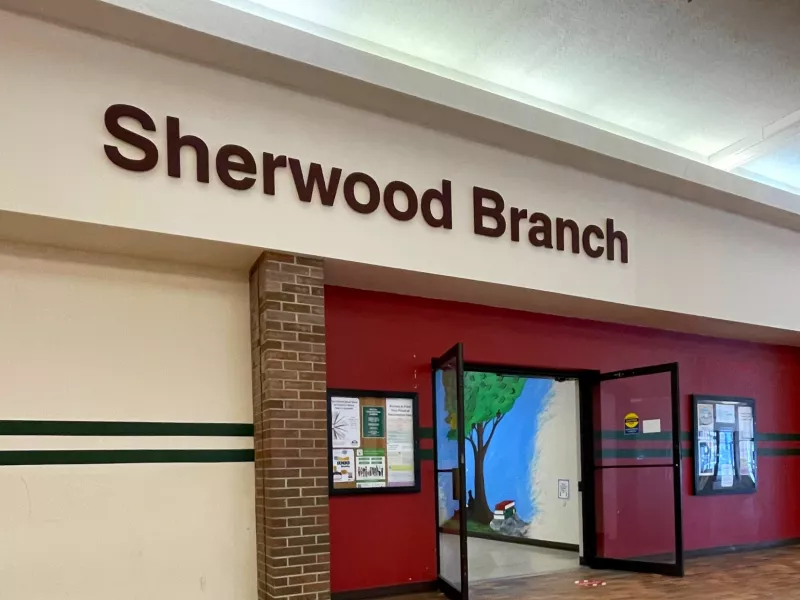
(616, 504)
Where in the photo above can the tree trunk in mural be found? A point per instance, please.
(487, 399)
(481, 512)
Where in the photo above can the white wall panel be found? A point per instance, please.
(129, 532)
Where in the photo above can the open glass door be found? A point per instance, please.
(451, 523)
(637, 524)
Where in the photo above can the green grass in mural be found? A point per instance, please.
(452, 526)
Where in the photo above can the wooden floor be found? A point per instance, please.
(746, 576)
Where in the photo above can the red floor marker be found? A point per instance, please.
(590, 583)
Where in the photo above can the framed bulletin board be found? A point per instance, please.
(373, 442)
(724, 440)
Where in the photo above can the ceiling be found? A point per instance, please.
(717, 81)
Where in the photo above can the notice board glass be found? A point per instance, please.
(373, 442)
(724, 440)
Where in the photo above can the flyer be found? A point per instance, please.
(345, 423)
(744, 459)
(371, 468)
(344, 468)
(726, 475)
(726, 413)
(373, 421)
(400, 440)
(745, 423)
(707, 458)
(705, 417)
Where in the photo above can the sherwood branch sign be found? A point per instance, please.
(237, 168)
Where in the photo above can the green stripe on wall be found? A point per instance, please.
(609, 434)
(634, 454)
(778, 451)
(121, 428)
(107, 457)
(777, 437)
(164, 429)
(686, 436)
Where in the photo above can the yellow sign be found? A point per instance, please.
(631, 424)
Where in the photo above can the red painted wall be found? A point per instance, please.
(384, 341)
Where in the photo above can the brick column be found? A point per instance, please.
(290, 416)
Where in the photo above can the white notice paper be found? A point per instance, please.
(651, 426)
(563, 489)
(726, 413)
(400, 440)
(726, 475)
(344, 466)
(705, 417)
(745, 453)
(370, 469)
(345, 422)
(745, 423)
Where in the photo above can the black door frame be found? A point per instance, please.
(455, 354)
(589, 381)
(675, 569)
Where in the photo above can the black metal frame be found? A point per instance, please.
(705, 399)
(414, 397)
(455, 354)
(675, 569)
(589, 382)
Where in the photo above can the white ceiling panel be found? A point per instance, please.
(696, 78)
(781, 167)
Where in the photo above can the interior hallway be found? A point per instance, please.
(744, 576)
(493, 559)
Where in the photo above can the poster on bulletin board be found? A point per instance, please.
(724, 443)
(373, 442)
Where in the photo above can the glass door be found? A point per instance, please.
(636, 471)
(451, 506)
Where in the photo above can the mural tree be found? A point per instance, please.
(488, 398)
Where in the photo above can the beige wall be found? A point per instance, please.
(99, 338)
(685, 258)
(557, 457)
(114, 339)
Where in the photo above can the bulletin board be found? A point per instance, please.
(724, 440)
(373, 442)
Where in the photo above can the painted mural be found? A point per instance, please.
(503, 417)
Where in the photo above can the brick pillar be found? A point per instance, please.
(290, 416)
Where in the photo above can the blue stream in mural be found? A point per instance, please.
(507, 467)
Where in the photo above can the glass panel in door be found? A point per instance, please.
(448, 395)
(637, 467)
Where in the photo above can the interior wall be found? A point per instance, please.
(148, 513)
(384, 341)
(557, 518)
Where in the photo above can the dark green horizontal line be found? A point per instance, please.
(123, 428)
(778, 451)
(426, 454)
(633, 453)
(426, 433)
(777, 437)
(609, 434)
(107, 457)
(686, 436)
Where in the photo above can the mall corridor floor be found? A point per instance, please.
(745, 576)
